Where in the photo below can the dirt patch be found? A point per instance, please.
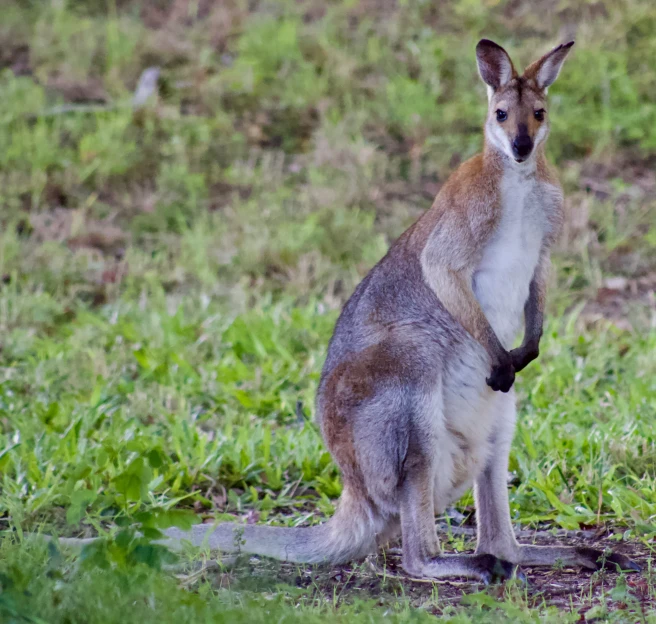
(224, 18)
(625, 177)
(625, 302)
(16, 57)
(223, 194)
(77, 231)
(78, 91)
(382, 578)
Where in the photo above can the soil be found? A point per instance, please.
(381, 577)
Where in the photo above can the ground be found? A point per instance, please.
(191, 190)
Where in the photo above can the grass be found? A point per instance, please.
(171, 276)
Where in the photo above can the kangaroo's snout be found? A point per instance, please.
(523, 144)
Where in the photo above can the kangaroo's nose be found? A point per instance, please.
(522, 146)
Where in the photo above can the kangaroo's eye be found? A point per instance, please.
(501, 116)
(539, 114)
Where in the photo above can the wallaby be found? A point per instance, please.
(415, 401)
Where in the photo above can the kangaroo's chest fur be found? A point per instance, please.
(502, 279)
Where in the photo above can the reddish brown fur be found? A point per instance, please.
(347, 386)
(475, 184)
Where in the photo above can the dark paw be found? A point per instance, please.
(491, 569)
(599, 560)
(502, 377)
(523, 356)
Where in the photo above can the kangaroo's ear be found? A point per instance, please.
(494, 64)
(546, 69)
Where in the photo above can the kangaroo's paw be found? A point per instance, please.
(484, 568)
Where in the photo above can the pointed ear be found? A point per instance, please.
(494, 64)
(545, 70)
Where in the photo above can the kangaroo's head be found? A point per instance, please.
(517, 120)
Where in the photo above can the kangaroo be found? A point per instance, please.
(415, 401)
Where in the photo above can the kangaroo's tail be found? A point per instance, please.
(349, 534)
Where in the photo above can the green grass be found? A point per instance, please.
(171, 276)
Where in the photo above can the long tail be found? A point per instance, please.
(350, 534)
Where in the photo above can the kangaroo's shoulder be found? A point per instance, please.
(473, 189)
(552, 198)
(465, 212)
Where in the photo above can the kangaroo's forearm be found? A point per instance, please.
(458, 298)
(534, 311)
(533, 319)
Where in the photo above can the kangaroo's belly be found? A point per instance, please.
(475, 419)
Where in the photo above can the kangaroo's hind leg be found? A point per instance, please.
(495, 532)
(422, 555)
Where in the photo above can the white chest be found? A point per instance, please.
(501, 281)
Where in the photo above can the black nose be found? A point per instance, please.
(522, 146)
